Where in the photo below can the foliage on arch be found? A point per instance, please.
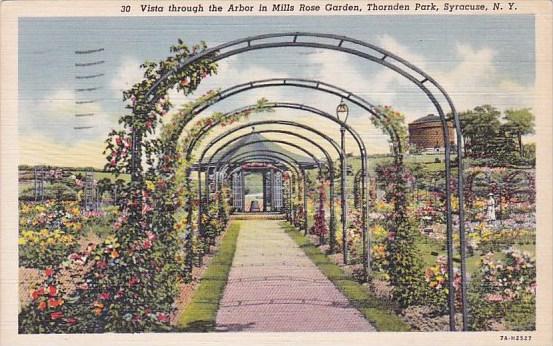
(393, 120)
(320, 227)
(405, 267)
(132, 278)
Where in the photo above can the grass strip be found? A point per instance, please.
(381, 316)
(200, 314)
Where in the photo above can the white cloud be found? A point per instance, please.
(54, 117)
(471, 80)
(127, 74)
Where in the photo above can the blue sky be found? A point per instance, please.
(478, 59)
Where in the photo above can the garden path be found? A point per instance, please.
(274, 287)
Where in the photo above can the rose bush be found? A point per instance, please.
(504, 290)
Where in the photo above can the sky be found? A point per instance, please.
(477, 59)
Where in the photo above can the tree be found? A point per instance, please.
(478, 126)
(519, 122)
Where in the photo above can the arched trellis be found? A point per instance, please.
(357, 188)
(272, 122)
(509, 179)
(330, 163)
(363, 155)
(331, 89)
(371, 53)
(272, 159)
(320, 87)
(470, 179)
(231, 152)
(275, 155)
(294, 177)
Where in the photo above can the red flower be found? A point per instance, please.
(102, 264)
(37, 293)
(162, 317)
(42, 305)
(52, 290)
(147, 244)
(104, 296)
(54, 302)
(56, 315)
(48, 272)
(71, 321)
(133, 281)
(151, 235)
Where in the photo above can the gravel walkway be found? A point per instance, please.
(274, 287)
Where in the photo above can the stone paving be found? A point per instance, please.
(274, 287)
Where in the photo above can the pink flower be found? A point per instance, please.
(162, 317)
(494, 298)
(71, 320)
(133, 281)
(146, 208)
(147, 244)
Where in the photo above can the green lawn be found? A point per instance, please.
(431, 249)
(381, 316)
(200, 314)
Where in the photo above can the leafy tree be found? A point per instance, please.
(478, 126)
(529, 150)
(520, 122)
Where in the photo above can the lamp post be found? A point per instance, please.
(342, 112)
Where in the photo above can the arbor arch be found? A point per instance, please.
(363, 154)
(330, 163)
(230, 153)
(162, 82)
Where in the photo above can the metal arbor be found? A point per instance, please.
(435, 93)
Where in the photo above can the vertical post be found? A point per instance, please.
(460, 190)
(207, 187)
(365, 216)
(272, 200)
(291, 197)
(189, 259)
(332, 226)
(304, 202)
(449, 228)
(200, 214)
(264, 187)
(343, 196)
(291, 215)
(36, 184)
(243, 190)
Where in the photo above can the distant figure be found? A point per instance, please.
(254, 206)
(490, 210)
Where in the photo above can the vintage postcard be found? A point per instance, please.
(276, 172)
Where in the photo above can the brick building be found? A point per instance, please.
(426, 133)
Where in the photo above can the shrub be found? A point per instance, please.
(504, 289)
(45, 248)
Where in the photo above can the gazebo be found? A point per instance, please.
(256, 153)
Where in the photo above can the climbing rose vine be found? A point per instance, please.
(320, 227)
